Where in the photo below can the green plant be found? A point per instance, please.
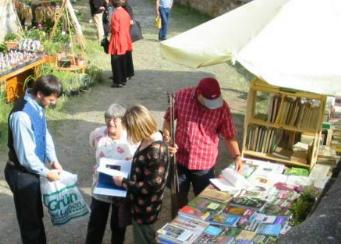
(4, 111)
(36, 34)
(303, 205)
(3, 48)
(11, 36)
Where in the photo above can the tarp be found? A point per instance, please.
(8, 19)
(288, 43)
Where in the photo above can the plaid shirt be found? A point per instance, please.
(198, 130)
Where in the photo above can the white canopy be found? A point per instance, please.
(288, 43)
(8, 19)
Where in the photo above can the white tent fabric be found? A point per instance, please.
(288, 43)
(8, 19)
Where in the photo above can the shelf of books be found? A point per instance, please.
(283, 125)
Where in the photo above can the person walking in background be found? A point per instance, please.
(31, 151)
(109, 141)
(163, 8)
(129, 54)
(120, 43)
(97, 7)
(202, 116)
(148, 174)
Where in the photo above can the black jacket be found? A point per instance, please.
(95, 5)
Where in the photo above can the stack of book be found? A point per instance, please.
(327, 155)
(182, 230)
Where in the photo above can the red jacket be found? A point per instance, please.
(120, 41)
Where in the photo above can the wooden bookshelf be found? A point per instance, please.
(282, 120)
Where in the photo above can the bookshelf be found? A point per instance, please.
(282, 125)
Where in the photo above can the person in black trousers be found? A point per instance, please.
(31, 151)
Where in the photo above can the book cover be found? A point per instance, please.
(248, 202)
(269, 229)
(246, 235)
(108, 168)
(225, 219)
(216, 195)
(175, 234)
(202, 208)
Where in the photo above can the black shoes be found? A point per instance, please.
(117, 85)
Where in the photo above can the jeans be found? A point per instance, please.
(164, 15)
(98, 220)
(200, 179)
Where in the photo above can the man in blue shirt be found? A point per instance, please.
(31, 151)
(163, 8)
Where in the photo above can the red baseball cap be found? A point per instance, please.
(211, 95)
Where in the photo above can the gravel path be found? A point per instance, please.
(154, 77)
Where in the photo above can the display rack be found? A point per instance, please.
(278, 121)
(13, 82)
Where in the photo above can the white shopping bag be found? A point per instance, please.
(63, 199)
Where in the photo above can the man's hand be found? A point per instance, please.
(56, 165)
(173, 150)
(53, 175)
(118, 180)
(239, 164)
(166, 136)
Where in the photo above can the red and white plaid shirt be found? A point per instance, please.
(198, 130)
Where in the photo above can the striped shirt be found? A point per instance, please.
(198, 130)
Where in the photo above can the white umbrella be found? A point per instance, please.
(288, 43)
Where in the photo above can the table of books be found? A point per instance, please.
(253, 208)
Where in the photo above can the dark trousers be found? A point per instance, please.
(164, 15)
(98, 220)
(27, 200)
(144, 234)
(119, 69)
(130, 64)
(200, 179)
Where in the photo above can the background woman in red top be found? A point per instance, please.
(120, 43)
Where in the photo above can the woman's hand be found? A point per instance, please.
(118, 180)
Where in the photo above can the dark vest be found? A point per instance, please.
(38, 127)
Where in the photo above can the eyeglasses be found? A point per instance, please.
(115, 120)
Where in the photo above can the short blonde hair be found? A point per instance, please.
(139, 123)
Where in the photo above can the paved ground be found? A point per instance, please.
(154, 77)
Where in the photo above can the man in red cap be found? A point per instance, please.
(202, 116)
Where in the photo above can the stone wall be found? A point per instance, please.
(212, 8)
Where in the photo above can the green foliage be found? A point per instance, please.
(11, 36)
(4, 111)
(303, 205)
(36, 34)
(3, 48)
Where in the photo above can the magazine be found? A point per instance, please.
(106, 170)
